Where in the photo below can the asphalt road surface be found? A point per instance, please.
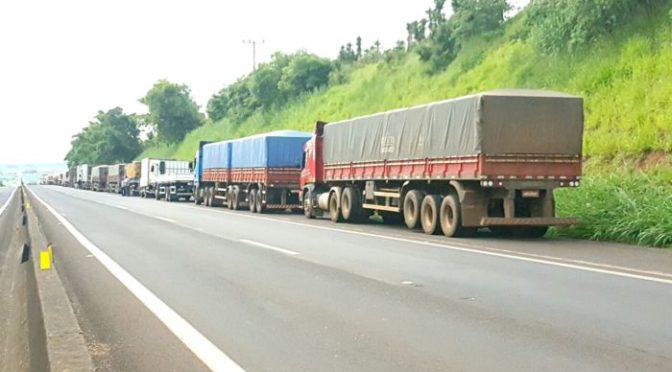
(282, 293)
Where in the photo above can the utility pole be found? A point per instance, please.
(254, 51)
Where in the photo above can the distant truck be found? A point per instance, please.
(115, 176)
(99, 178)
(167, 179)
(260, 172)
(130, 185)
(486, 160)
(71, 176)
(83, 177)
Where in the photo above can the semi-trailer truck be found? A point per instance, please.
(115, 175)
(99, 178)
(168, 179)
(487, 160)
(83, 178)
(130, 186)
(259, 172)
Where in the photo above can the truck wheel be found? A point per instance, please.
(211, 197)
(261, 207)
(429, 214)
(308, 204)
(156, 194)
(229, 197)
(252, 200)
(334, 211)
(197, 196)
(235, 200)
(450, 216)
(350, 207)
(412, 203)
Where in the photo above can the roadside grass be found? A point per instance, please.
(620, 207)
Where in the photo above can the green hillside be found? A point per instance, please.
(625, 79)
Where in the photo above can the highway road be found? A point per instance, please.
(282, 293)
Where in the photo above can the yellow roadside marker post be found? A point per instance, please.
(46, 258)
(45, 261)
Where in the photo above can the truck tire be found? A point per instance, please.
(229, 197)
(211, 197)
(156, 193)
(308, 204)
(450, 216)
(429, 214)
(235, 200)
(261, 207)
(197, 196)
(252, 200)
(412, 205)
(350, 205)
(334, 212)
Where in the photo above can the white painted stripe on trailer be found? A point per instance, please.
(204, 349)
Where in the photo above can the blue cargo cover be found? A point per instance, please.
(280, 149)
(217, 155)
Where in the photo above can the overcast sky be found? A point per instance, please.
(62, 61)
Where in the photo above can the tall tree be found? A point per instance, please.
(305, 73)
(112, 137)
(172, 111)
(474, 17)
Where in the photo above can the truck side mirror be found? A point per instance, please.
(191, 166)
(162, 167)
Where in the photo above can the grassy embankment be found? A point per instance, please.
(627, 85)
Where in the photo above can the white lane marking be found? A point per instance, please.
(203, 348)
(11, 196)
(266, 246)
(521, 256)
(165, 219)
(117, 206)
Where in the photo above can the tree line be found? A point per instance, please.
(113, 136)
(436, 39)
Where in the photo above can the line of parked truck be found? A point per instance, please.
(490, 160)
